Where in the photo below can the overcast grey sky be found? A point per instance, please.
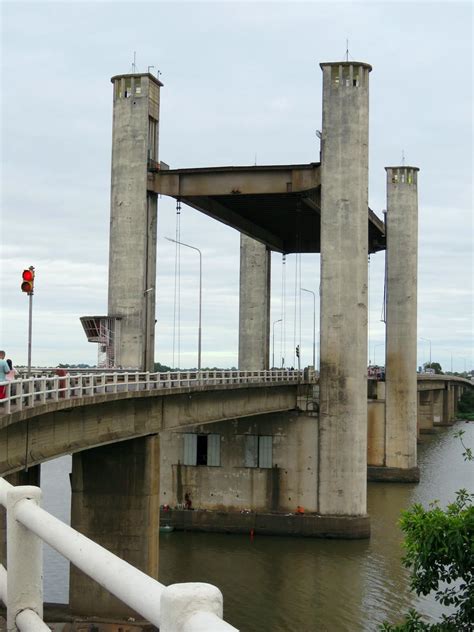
(241, 83)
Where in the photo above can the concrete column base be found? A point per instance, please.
(115, 502)
(376, 474)
(307, 525)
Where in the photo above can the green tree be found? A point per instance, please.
(439, 550)
(434, 365)
(466, 405)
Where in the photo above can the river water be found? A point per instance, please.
(287, 584)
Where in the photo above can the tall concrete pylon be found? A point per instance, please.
(401, 314)
(133, 214)
(254, 305)
(342, 486)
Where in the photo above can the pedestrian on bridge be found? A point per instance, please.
(4, 371)
(13, 372)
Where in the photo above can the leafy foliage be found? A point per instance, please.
(439, 545)
(434, 365)
(466, 403)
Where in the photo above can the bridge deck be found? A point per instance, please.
(277, 204)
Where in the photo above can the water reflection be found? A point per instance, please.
(283, 584)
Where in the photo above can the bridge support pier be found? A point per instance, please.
(254, 306)
(342, 485)
(449, 404)
(115, 502)
(133, 217)
(401, 337)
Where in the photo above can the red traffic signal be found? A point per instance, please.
(28, 277)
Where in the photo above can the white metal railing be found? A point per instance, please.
(188, 607)
(33, 391)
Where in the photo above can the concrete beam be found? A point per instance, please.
(252, 180)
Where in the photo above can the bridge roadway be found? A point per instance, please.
(50, 415)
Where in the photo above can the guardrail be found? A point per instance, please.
(29, 392)
(189, 607)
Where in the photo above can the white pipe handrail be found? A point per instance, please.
(29, 392)
(127, 583)
(29, 621)
(133, 587)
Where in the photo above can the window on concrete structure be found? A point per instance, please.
(251, 451)
(335, 75)
(128, 87)
(355, 78)
(138, 85)
(202, 449)
(265, 451)
(190, 449)
(214, 450)
(152, 139)
(345, 75)
(394, 177)
(258, 451)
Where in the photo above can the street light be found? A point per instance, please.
(427, 340)
(181, 243)
(314, 325)
(273, 340)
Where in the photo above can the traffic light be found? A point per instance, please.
(28, 280)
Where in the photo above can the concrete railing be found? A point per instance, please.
(33, 391)
(189, 607)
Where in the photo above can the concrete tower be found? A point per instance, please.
(132, 254)
(400, 365)
(254, 306)
(342, 488)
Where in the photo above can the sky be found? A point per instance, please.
(242, 85)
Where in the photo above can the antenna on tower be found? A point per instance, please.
(347, 50)
(403, 157)
(134, 65)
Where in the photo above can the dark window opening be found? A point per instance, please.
(201, 457)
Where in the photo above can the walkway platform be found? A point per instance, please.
(306, 525)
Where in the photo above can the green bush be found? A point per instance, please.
(466, 403)
(439, 550)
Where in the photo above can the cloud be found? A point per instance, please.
(233, 89)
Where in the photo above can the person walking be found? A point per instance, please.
(4, 371)
(13, 372)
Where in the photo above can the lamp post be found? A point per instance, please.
(427, 340)
(273, 340)
(181, 243)
(314, 325)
